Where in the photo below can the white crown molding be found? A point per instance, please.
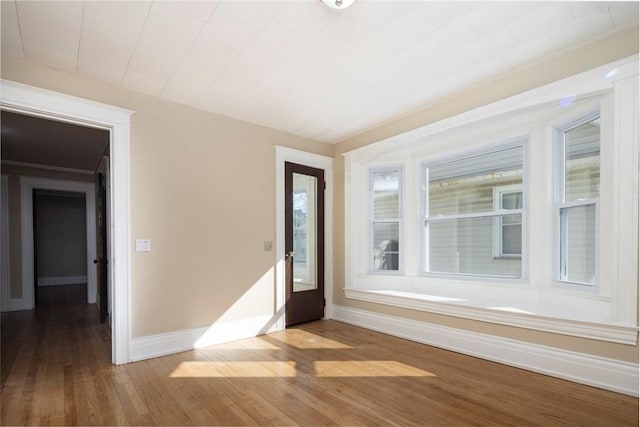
(608, 374)
(47, 167)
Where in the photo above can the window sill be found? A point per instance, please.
(510, 316)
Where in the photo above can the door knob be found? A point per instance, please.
(290, 255)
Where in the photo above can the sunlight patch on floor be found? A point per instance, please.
(200, 369)
(367, 368)
(248, 344)
(306, 340)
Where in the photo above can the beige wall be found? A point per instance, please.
(615, 47)
(203, 191)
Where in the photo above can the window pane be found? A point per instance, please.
(386, 237)
(386, 188)
(304, 232)
(465, 246)
(582, 162)
(578, 254)
(466, 185)
(511, 200)
(511, 239)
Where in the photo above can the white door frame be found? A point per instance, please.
(27, 185)
(56, 106)
(285, 154)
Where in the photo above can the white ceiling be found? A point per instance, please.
(297, 65)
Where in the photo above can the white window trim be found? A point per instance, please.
(619, 296)
(515, 142)
(498, 192)
(398, 220)
(560, 204)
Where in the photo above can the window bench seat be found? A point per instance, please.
(529, 309)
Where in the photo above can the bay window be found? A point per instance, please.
(523, 212)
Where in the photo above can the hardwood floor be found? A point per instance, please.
(56, 370)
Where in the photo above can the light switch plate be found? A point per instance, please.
(143, 245)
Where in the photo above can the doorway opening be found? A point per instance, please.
(59, 247)
(29, 100)
(51, 168)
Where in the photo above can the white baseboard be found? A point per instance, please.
(189, 339)
(61, 280)
(15, 304)
(609, 374)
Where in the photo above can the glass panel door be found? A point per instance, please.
(305, 188)
(304, 243)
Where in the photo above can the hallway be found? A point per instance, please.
(49, 352)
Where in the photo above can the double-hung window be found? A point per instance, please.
(578, 154)
(385, 219)
(474, 213)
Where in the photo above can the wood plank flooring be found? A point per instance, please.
(56, 370)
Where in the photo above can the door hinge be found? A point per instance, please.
(324, 302)
(324, 185)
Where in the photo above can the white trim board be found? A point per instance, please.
(596, 331)
(188, 339)
(27, 185)
(56, 106)
(61, 280)
(285, 154)
(608, 374)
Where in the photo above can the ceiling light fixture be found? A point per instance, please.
(338, 4)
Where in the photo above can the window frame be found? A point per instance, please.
(371, 258)
(498, 225)
(521, 141)
(560, 204)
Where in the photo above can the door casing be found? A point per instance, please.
(44, 103)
